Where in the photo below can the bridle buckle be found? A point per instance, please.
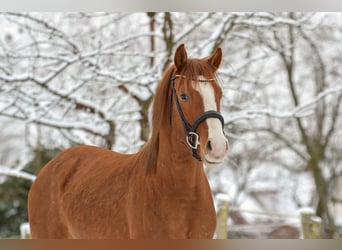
(192, 139)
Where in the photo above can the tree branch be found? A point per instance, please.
(7, 171)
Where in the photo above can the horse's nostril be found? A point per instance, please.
(209, 146)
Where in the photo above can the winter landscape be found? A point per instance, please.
(89, 78)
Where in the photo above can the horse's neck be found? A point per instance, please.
(175, 163)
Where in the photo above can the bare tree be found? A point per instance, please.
(89, 78)
(295, 55)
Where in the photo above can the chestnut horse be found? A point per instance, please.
(159, 192)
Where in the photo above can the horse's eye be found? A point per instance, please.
(184, 96)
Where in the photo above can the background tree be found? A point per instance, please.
(291, 62)
(75, 78)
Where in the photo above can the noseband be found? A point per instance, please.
(192, 138)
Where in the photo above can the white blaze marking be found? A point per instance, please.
(208, 96)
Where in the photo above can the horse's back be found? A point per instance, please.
(75, 190)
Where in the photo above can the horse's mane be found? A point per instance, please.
(161, 106)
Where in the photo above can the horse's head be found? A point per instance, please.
(196, 95)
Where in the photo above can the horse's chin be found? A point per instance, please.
(211, 163)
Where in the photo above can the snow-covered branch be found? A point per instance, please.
(7, 171)
(266, 20)
(300, 111)
(192, 27)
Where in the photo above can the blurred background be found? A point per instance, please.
(89, 78)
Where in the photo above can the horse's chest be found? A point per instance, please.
(175, 219)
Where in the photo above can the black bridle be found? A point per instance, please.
(192, 138)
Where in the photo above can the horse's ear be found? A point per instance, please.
(215, 59)
(181, 56)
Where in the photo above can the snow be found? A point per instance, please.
(25, 230)
(306, 210)
(6, 171)
(222, 197)
(65, 78)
